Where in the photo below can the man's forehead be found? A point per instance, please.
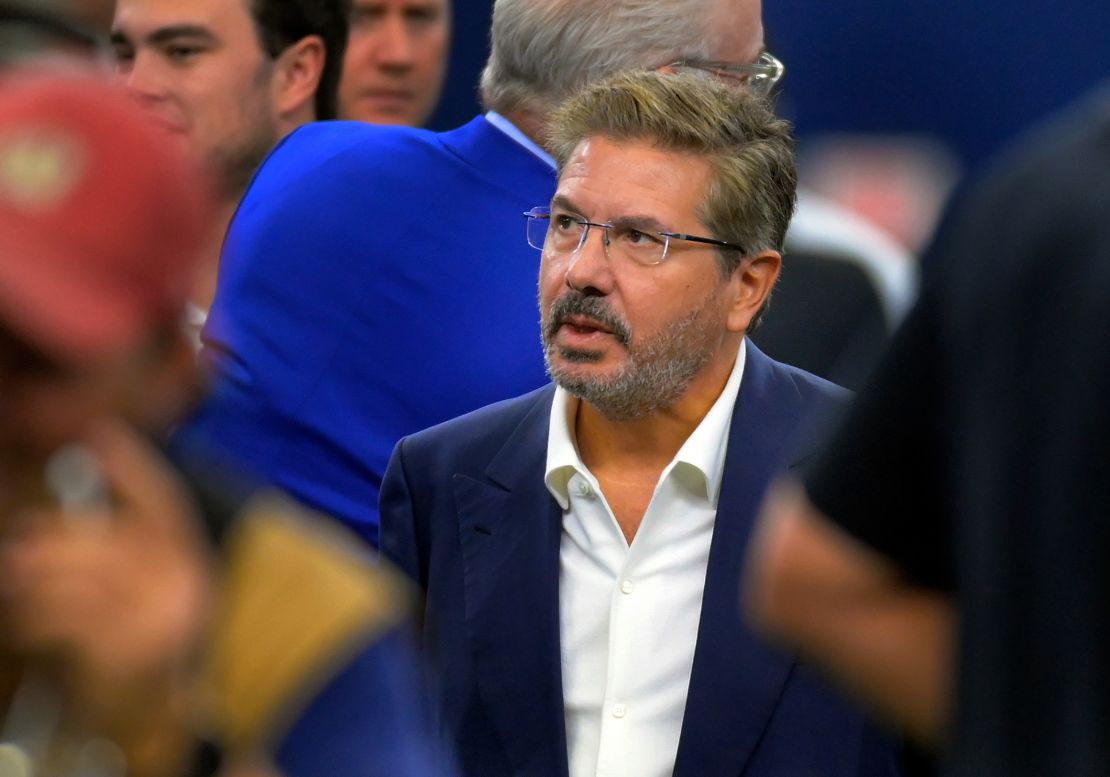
(634, 177)
(604, 151)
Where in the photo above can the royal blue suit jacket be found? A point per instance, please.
(465, 512)
(372, 283)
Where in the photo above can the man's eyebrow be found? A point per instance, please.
(171, 33)
(633, 221)
(561, 201)
(641, 223)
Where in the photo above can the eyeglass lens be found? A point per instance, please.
(564, 234)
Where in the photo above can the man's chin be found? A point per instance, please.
(580, 355)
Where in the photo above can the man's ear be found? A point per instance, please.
(296, 78)
(751, 284)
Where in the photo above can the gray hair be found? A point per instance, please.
(542, 51)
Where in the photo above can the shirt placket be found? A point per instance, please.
(619, 713)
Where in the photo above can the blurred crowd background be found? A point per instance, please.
(892, 102)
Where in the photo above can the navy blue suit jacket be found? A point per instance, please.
(465, 512)
(372, 283)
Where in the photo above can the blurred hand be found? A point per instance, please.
(110, 603)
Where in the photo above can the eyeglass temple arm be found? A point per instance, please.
(699, 239)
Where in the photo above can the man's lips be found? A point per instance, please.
(585, 319)
(387, 95)
(584, 325)
(578, 332)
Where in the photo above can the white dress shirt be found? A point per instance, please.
(629, 613)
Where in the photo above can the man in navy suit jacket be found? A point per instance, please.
(580, 545)
(370, 285)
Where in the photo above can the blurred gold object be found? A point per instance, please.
(297, 601)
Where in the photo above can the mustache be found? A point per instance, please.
(577, 304)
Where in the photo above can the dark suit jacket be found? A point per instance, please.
(465, 512)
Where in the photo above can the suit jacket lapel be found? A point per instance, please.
(737, 680)
(509, 528)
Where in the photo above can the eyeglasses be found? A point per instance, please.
(759, 76)
(562, 233)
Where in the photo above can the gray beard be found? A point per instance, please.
(657, 372)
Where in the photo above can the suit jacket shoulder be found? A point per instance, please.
(375, 281)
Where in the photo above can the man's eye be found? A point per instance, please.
(422, 17)
(637, 238)
(182, 53)
(564, 223)
(366, 16)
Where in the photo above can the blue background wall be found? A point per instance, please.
(971, 71)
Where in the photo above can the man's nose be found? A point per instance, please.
(396, 47)
(140, 77)
(589, 267)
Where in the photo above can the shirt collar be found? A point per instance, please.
(510, 129)
(704, 450)
(562, 449)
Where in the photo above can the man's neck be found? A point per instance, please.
(650, 442)
(628, 456)
(306, 114)
(204, 290)
(641, 443)
(532, 124)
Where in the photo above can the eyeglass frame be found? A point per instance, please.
(767, 67)
(541, 212)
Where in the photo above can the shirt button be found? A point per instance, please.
(584, 488)
(626, 586)
(619, 710)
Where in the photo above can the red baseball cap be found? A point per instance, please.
(102, 217)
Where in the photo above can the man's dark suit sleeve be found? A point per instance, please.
(398, 519)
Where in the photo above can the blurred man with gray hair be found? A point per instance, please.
(368, 288)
